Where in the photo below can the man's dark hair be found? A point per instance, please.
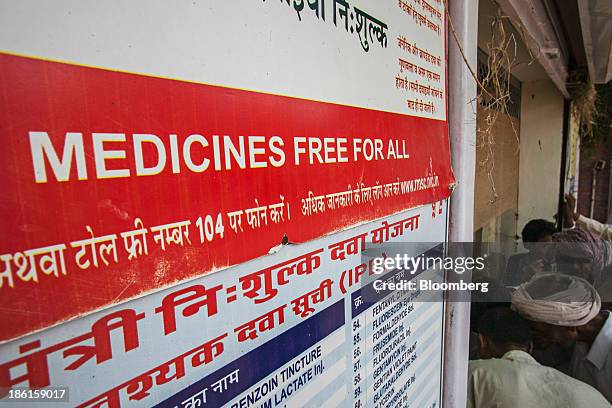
(505, 327)
(537, 229)
(496, 296)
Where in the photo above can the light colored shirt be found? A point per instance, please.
(596, 227)
(518, 380)
(594, 365)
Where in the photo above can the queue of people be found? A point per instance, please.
(544, 336)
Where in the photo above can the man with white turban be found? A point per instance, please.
(566, 310)
(507, 376)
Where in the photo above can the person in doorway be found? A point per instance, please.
(573, 217)
(521, 267)
(566, 310)
(496, 296)
(509, 376)
(580, 253)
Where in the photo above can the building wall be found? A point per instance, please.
(540, 151)
(497, 168)
(588, 157)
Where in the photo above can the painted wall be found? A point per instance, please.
(540, 151)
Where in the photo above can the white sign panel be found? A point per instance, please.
(382, 55)
(295, 328)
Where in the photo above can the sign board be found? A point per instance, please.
(149, 143)
(290, 329)
(189, 189)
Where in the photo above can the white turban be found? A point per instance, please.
(561, 300)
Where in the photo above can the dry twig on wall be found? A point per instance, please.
(584, 107)
(493, 87)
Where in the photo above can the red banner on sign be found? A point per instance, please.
(117, 184)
